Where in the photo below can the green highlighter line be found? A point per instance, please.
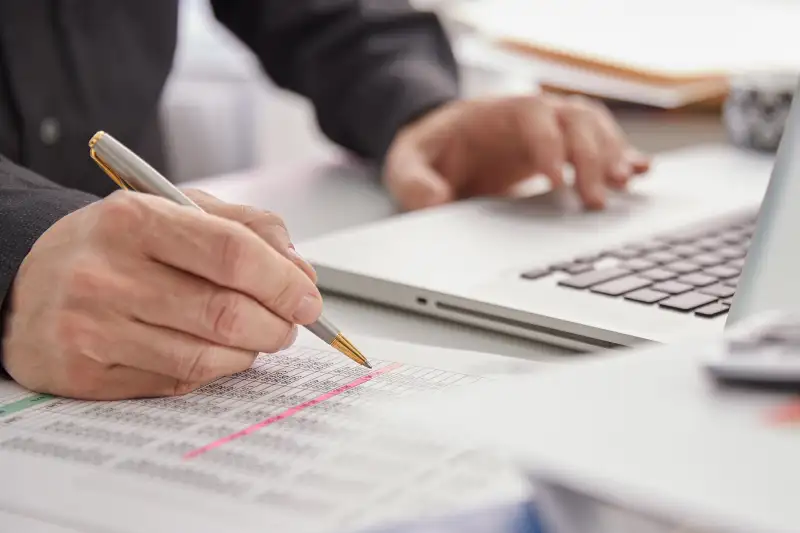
(24, 403)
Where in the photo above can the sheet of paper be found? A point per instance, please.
(296, 443)
(678, 38)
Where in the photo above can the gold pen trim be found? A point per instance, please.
(346, 347)
(121, 183)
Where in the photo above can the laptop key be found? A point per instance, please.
(682, 267)
(587, 258)
(687, 301)
(685, 250)
(637, 263)
(595, 277)
(731, 252)
(620, 286)
(646, 296)
(722, 271)
(719, 290)
(707, 260)
(624, 253)
(672, 287)
(652, 246)
(683, 237)
(732, 237)
(579, 268)
(712, 310)
(658, 274)
(728, 301)
(731, 282)
(710, 243)
(536, 273)
(663, 256)
(697, 279)
(736, 263)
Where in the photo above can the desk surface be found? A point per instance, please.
(332, 194)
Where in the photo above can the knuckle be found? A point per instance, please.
(232, 253)
(271, 219)
(285, 291)
(580, 103)
(181, 388)
(223, 313)
(198, 367)
(122, 209)
(278, 338)
(268, 225)
(589, 154)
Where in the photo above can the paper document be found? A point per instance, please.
(296, 443)
(678, 40)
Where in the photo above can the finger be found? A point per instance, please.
(612, 146)
(639, 161)
(226, 254)
(117, 383)
(584, 152)
(414, 184)
(176, 300)
(183, 358)
(265, 224)
(543, 138)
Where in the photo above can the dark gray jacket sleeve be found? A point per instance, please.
(29, 204)
(368, 66)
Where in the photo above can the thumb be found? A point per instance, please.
(416, 185)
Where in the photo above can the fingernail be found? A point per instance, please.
(623, 170)
(291, 339)
(308, 310)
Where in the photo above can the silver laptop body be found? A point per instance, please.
(677, 255)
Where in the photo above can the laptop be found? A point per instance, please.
(684, 251)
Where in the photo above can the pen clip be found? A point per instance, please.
(117, 179)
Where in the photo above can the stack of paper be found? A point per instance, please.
(666, 54)
(296, 443)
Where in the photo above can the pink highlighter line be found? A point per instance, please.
(291, 411)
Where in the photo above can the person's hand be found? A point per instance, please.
(485, 147)
(134, 296)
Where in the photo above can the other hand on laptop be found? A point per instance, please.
(485, 147)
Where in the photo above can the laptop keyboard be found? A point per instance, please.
(689, 271)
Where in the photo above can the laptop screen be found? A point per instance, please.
(770, 278)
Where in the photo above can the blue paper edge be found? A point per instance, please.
(518, 517)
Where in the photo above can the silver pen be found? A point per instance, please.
(130, 172)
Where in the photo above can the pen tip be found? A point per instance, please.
(346, 347)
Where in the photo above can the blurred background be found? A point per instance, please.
(222, 115)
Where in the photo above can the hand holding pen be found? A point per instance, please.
(136, 296)
(132, 173)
